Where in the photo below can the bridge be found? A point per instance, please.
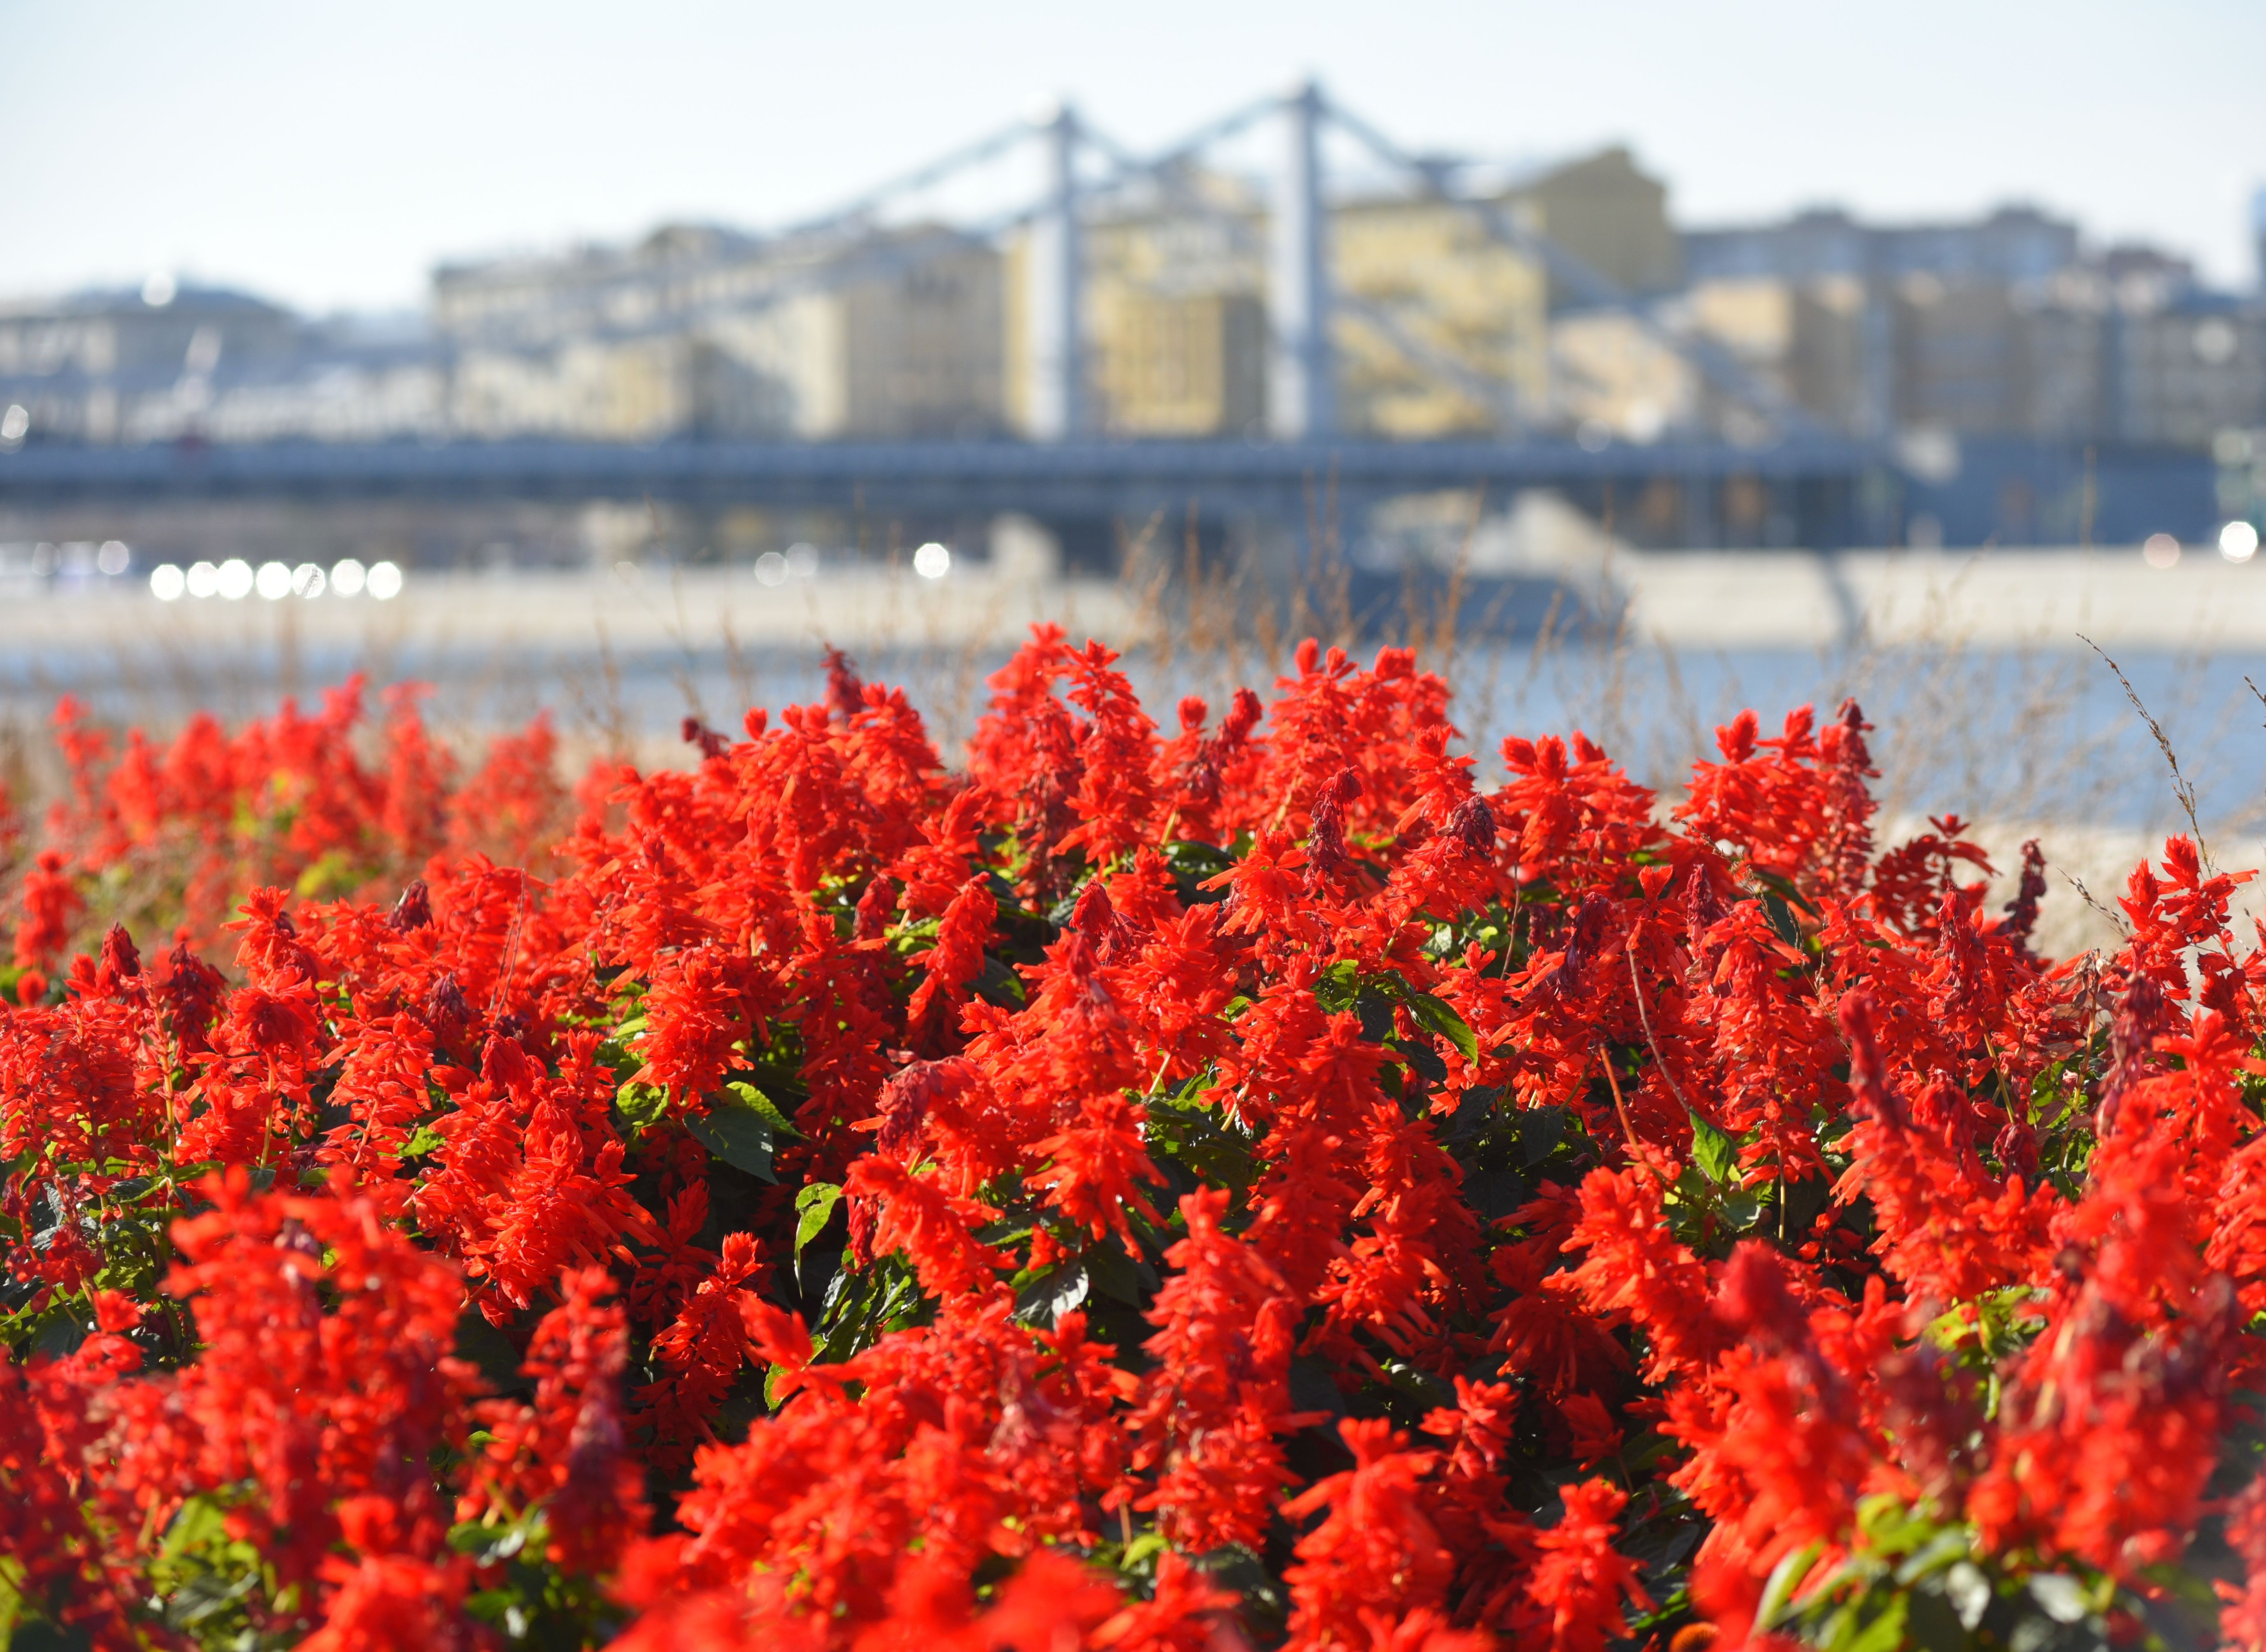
(1298, 466)
(1085, 480)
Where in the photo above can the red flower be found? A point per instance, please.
(1704, 1148)
(1581, 1583)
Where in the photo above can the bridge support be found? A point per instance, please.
(1055, 296)
(1302, 389)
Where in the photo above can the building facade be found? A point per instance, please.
(1553, 300)
(1175, 313)
(698, 332)
(108, 365)
(2005, 327)
(1440, 326)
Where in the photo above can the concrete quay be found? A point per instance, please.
(2000, 599)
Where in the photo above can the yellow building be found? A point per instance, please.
(704, 332)
(1804, 339)
(1432, 314)
(1614, 374)
(1175, 322)
(1441, 328)
(636, 390)
(1181, 364)
(1444, 329)
(1609, 213)
(1799, 342)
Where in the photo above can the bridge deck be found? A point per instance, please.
(1082, 476)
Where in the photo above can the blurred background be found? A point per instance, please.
(1633, 361)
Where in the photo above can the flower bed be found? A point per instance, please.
(1235, 1185)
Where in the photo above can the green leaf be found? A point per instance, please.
(1716, 1153)
(1885, 1632)
(739, 1134)
(1190, 1096)
(1494, 1194)
(1741, 1209)
(641, 1104)
(204, 1596)
(813, 1209)
(1335, 987)
(750, 1095)
(1785, 1578)
(1781, 886)
(1195, 1135)
(1968, 1591)
(1053, 1294)
(423, 1140)
(999, 985)
(1474, 1113)
(1194, 866)
(1951, 1543)
(1438, 1016)
(1931, 1624)
(489, 1544)
(1117, 1275)
(2061, 1596)
(200, 1521)
(1142, 1549)
(1540, 1129)
(1419, 1384)
(487, 1348)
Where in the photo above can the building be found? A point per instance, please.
(2258, 236)
(1176, 324)
(104, 365)
(2004, 328)
(1559, 298)
(1441, 325)
(1441, 330)
(1445, 329)
(1612, 374)
(2180, 373)
(700, 332)
(2013, 244)
(1609, 212)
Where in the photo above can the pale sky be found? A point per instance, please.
(327, 154)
